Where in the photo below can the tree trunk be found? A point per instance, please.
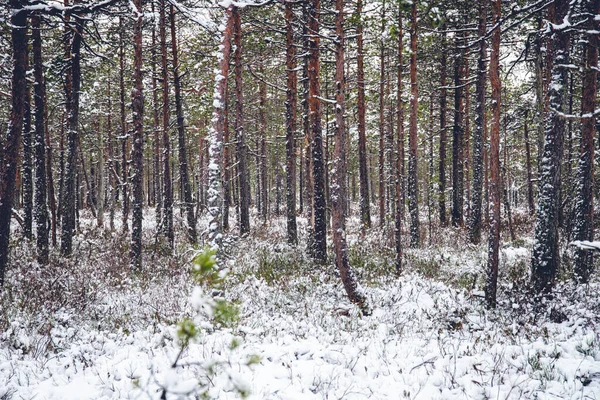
(457, 140)
(381, 161)
(8, 169)
(167, 194)
(41, 205)
(215, 140)
(495, 179)
(530, 204)
(244, 215)
(137, 108)
(338, 188)
(290, 148)
(188, 201)
(365, 209)
(314, 105)
(69, 203)
(546, 257)
(124, 133)
(584, 209)
(400, 187)
(28, 145)
(413, 184)
(475, 220)
(156, 162)
(443, 101)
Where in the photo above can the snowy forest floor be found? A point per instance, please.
(89, 328)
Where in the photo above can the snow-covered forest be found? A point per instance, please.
(299, 199)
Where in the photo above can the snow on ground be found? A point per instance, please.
(90, 329)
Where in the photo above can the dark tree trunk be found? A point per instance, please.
(12, 142)
(365, 209)
(167, 194)
(530, 204)
(137, 108)
(338, 195)
(413, 184)
(584, 206)
(184, 179)
(227, 182)
(381, 161)
(475, 219)
(69, 203)
(124, 134)
(400, 186)
(443, 139)
(290, 115)
(156, 161)
(315, 114)
(546, 257)
(495, 179)
(263, 153)
(458, 140)
(27, 176)
(244, 215)
(41, 205)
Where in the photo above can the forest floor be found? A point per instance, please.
(89, 328)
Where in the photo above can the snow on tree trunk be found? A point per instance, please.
(28, 145)
(137, 108)
(495, 184)
(188, 202)
(478, 139)
(413, 185)
(338, 186)
(12, 142)
(365, 209)
(215, 138)
(41, 205)
(546, 257)
(584, 206)
(290, 115)
(315, 114)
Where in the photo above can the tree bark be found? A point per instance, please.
(546, 257)
(365, 209)
(475, 217)
(413, 186)
(8, 169)
(28, 145)
(381, 161)
(443, 139)
(315, 114)
(244, 215)
(41, 205)
(338, 187)
(137, 108)
(584, 205)
(124, 134)
(495, 179)
(188, 201)
(290, 114)
(458, 133)
(399, 154)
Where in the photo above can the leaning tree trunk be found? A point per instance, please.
(478, 139)
(315, 114)
(584, 206)
(137, 108)
(290, 115)
(495, 179)
(365, 212)
(41, 205)
(188, 202)
(10, 146)
(546, 257)
(215, 139)
(244, 215)
(338, 187)
(413, 184)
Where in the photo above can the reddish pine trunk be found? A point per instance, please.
(290, 148)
